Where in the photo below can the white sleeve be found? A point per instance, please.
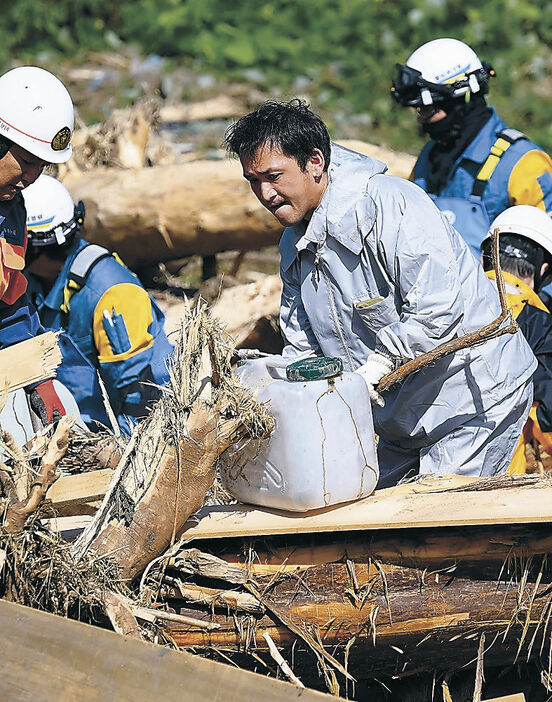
(421, 261)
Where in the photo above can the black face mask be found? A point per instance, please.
(447, 130)
(452, 134)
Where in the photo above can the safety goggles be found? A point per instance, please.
(410, 89)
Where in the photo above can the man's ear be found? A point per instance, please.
(545, 266)
(316, 163)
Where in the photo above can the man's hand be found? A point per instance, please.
(46, 402)
(377, 365)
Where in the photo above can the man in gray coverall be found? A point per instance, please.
(374, 274)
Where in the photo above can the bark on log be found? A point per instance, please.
(131, 531)
(480, 549)
(395, 619)
(167, 212)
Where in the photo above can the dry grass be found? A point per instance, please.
(41, 570)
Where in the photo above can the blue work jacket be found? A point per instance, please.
(128, 349)
(523, 176)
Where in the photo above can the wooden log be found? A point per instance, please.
(71, 492)
(393, 618)
(220, 107)
(129, 527)
(167, 212)
(482, 549)
(211, 597)
(246, 311)
(50, 658)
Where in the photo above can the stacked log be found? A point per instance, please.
(381, 619)
(386, 604)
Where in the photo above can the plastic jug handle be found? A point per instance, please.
(273, 365)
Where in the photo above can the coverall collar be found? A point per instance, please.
(336, 215)
(54, 299)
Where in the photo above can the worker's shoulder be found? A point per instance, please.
(388, 188)
(536, 325)
(108, 271)
(518, 142)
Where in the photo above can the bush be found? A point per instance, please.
(342, 52)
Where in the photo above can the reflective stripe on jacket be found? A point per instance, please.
(378, 267)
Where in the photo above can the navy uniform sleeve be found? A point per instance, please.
(536, 326)
(18, 322)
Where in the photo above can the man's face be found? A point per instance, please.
(282, 187)
(43, 266)
(18, 169)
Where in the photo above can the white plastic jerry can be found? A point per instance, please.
(322, 451)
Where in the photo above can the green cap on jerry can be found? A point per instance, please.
(314, 369)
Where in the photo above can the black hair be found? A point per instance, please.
(519, 256)
(5, 145)
(290, 127)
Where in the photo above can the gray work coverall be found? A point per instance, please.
(379, 268)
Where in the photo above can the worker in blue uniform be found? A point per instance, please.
(473, 166)
(36, 124)
(114, 331)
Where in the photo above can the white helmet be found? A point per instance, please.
(440, 70)
(36, 112)
(52, 217)
(527, 221)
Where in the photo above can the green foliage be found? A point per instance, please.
(341, 52)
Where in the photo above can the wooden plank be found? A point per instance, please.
(395, 508)
(72, 490)
(49, 658)
(69, 527)
(29, 361)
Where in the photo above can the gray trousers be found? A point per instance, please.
(483, 446)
